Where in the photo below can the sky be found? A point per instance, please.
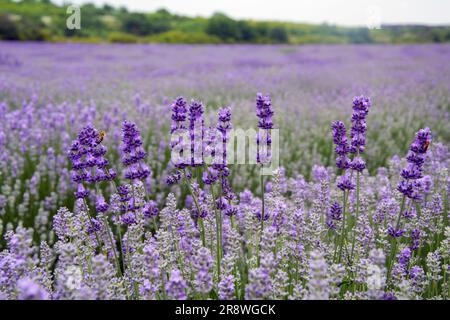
(341, 12)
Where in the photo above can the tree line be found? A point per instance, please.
(42, 20)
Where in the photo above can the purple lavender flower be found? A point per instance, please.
(124, 192)
(342, 148)
(223, 126)
(128, 204)
(178, 114)
(231, 211)
(334, 214)
(173, 178)
(30, 290)
(345, 183)
(94, 226)
(179, 110)
(259, 215)
(221, 203)
(196, 132)
(246, 197)
(320, 173)
(150, 209)
(415, 239)
(411, 185)
(226, 288)
(176, 287)
(81, 192)
(100, 204)
(319, 278)
(358, 130)
(210, 176)
(388, 296)
(204, 262)
(128, 218)
(133, 157)
(61, 223)
(426, 183)
(395, 233)
(358, 164)
(404, 256)
(88, 162)
(265, 113)
(227, 191)
(224, 120)
(259, 285)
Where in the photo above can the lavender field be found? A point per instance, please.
(93, 207)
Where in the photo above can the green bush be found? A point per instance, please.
(120, 37)
(8, 29)
(182, 37)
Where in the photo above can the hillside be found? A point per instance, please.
(41, 20)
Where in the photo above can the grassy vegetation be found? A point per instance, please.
(41, 20)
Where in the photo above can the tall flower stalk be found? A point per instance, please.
(356, 146)
(409, 186)
(133, 159)
(265, 113)
(90, 166)
(345, 184)
(361, 106)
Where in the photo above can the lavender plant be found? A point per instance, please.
(110, 215)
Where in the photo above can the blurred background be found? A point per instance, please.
(225, 21)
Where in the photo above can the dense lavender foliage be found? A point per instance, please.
(92, 207)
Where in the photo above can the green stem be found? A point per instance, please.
(113, 246)
(92, 225)
(394, 243)
(218, 240)
(357, 214)
(134, 284)
(344, 227)
(119, 231)
(194, 197)
(262, 216)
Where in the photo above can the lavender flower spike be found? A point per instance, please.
(265, 113)
(410, 186)
(361, 106)
(340, 140)
(133, 154)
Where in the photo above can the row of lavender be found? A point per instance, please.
(312, 85)
(343, 235)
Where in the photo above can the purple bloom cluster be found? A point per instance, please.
(410, 185)
(224, 126)
(179, 109)
(357, 143)
(361, 106)
(264, 112)
(88, 160)
(334, 214)
(203, 143)
(340, 140)
(179, 116)
(395, 233)
(345, 183)
(196, 132)
(134, 156)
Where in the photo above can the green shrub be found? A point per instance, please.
(120, 37)
(182, 37)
